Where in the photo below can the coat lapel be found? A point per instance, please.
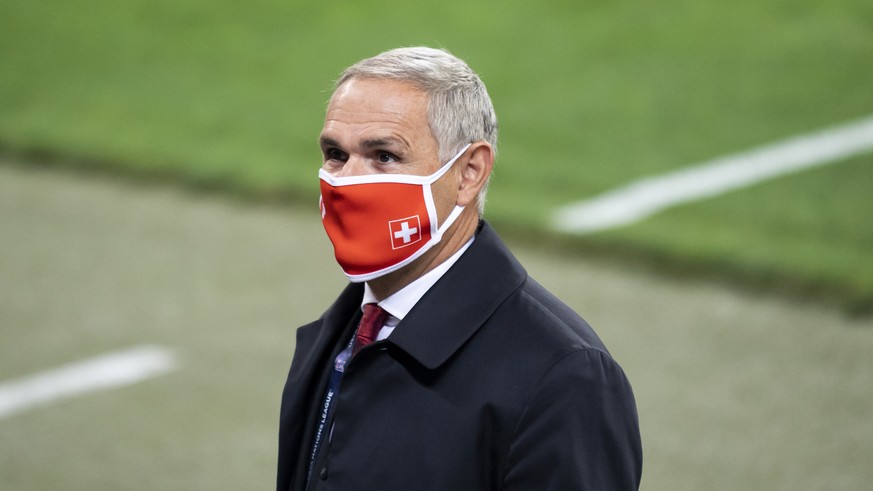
(317, 344)
(460, 302)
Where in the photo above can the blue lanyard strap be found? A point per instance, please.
(327, 406)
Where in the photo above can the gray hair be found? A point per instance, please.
(459, 108)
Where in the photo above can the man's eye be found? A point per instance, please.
(385, 158)
(335, 154)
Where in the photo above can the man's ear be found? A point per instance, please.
(477, 161)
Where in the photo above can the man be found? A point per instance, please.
(442, 365)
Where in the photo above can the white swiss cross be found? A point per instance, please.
(405, 231)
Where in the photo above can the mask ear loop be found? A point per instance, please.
(436, 229)
(448, 165)
(456, 212)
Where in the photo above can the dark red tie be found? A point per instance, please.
(368, 328)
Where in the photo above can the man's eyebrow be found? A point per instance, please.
(370, 143)
(383, 142)
(328, 142)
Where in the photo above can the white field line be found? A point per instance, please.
(643, 198)
(99, 373)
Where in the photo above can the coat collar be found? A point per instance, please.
(445, 317)
(460, 302)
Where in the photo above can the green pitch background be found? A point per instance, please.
(738, 388)
(590, 96)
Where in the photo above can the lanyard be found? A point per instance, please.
(327, 406)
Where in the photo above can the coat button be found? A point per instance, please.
(323, 473)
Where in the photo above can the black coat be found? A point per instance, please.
(490, 382)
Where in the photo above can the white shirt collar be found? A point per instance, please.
(401, 302)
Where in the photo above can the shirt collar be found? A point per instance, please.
(401, 302)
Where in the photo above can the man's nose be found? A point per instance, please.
(356, 165)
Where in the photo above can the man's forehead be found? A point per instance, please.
(370, 113)
(373, 99)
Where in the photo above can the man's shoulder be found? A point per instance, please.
(526, 308)
(535, 314)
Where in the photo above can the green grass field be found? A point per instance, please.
(590, 97)
(738, 388)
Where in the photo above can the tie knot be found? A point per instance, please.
(371, 322)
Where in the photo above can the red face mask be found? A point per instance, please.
(379, 223)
